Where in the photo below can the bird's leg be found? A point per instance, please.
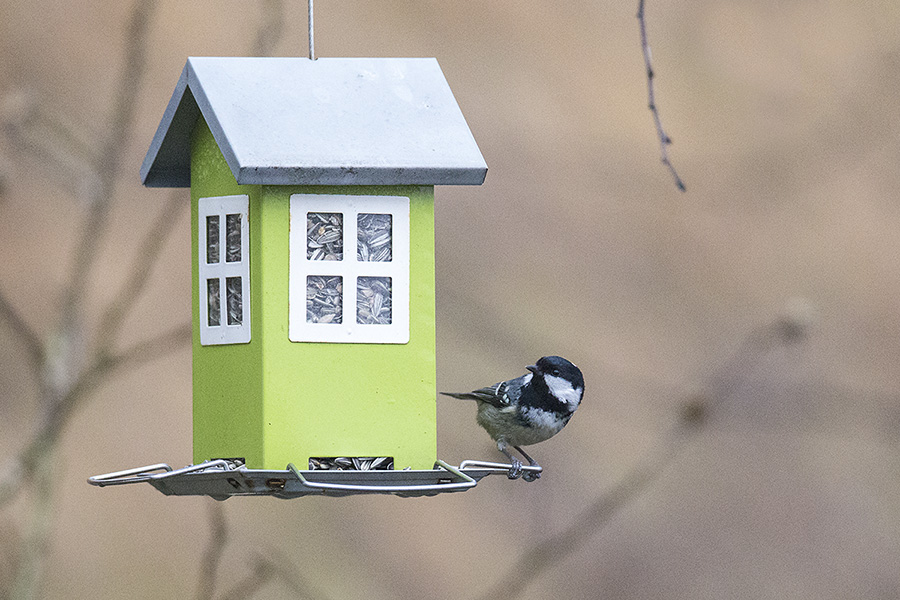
(515, 470)
(529, 475)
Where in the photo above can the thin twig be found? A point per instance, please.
(18, 470)
(146, 257)
(150, 349)
(664, 139)
(270, 29)
(32, 342)
(37, 539)
(105, 365)
(34, 127)
(274, 566)
(212, 556)
(128, 87)
(247, 587)
(549, 552)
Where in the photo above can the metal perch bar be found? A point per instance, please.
(349, 487)
(223, 478)
(494, 467)
(135, 475)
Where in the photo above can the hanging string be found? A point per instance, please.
(312, 46)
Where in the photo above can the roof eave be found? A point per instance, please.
(351, 175)
(168, 159)
(180, 112)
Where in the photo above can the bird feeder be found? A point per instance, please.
(313, 284)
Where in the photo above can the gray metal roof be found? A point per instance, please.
(331, 121)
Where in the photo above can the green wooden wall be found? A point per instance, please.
(274, 401)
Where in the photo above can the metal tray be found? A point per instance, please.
(221, 479)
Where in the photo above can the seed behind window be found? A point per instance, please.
(212, 239)
(373, 237)
(325, 236)
(212, 303)
(324, 299)
(233, 238)
(373, 300)
(234, 299)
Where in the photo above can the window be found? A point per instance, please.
(349, 272)
(224, 270)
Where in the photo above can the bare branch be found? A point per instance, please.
(147, 256)
(212, 556)
(63, 381)
(274, 567)
(103, 366)
(148, 350)
(664, 139)
(270, 29)
(33, 126)
(31, 561)
(20, 469)
(128, 88)
(550, 552)
(28, 336)
(249, 585)
(12, 476)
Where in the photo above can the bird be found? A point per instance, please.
(528, 409)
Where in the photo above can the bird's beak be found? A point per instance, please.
(532, 368)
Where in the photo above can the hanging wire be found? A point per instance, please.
(312, 46)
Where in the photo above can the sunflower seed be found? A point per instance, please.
(356, 463)
(233, 238)
(234, 300)
(373, 238)
(213, 302)
(373, 300)
(324, 301)
(324, 236)
(212, 239)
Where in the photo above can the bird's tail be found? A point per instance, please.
(461, 395)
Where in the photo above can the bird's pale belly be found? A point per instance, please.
(503, 424)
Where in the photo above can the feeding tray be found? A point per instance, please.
(222, 479)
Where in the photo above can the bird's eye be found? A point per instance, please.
(555, 372)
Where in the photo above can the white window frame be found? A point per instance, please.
(349, 331)
(224, 333)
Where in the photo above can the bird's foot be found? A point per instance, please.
(515, 469)
(531, 475)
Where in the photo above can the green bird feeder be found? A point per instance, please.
(312, 219)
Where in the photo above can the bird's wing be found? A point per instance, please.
(494, 395)
(499, 395)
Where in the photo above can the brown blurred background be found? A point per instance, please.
(786, 125)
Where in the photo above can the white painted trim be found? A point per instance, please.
(224, 333)
(349, 331)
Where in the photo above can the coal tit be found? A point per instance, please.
(529, 409)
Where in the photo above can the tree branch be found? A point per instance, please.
(32, 342)
(270, 29)
(21, 468)
(212, 556)
(139, 275)
(128, 87)
(664, 139)
(548, 553)
(275, 567)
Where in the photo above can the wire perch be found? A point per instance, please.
(664, 139)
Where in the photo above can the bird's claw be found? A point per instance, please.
(531, 475)
(515, 469)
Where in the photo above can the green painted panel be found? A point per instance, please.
(274, 401)
(329, 399)
(227, 379)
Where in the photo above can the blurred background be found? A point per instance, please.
(740, 341)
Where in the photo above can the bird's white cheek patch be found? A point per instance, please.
(563, 390)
